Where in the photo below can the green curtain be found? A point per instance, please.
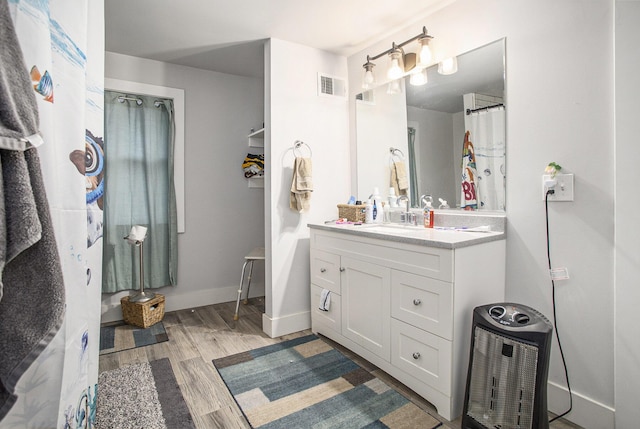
(139, 190)
(413, 174)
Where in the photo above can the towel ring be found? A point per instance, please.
(296, 146)
(394, 152)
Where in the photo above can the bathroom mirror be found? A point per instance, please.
(437, 114)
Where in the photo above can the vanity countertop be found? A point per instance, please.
(432, 237)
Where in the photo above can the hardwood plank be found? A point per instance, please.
(224, 418)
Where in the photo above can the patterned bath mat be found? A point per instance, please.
(306, 383)
(142, 395)
(116, 338)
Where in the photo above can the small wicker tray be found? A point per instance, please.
(143, 314)
(353, 213)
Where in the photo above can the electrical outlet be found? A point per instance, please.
(563, 188)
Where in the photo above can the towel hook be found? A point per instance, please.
(298, 143)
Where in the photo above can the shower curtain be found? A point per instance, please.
(63, 47)
(139, 190)
(413, 173)
(487, 133)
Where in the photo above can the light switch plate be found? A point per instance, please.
(563, 190)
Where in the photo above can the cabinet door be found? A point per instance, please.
(327, 319)
(325, 270)
(365, 305)
(422, 302)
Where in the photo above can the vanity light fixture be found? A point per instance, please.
(401, 63)
(448, 66)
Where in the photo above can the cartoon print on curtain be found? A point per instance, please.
(468, 196)
(63, 47)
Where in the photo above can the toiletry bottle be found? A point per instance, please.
(377, 206)
(428, 214)
(374, 212)
(368, 212)
(443, 204)
(386, 210)
(392, 198)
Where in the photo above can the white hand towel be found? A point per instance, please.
(325, 300)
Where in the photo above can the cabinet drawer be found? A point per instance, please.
(325, 270)
(331, 319)
(422, 355)
(423, 302)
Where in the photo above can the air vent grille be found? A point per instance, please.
(331, 86)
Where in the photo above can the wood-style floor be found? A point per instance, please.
(199, 335)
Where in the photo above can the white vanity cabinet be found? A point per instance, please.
(406, 307)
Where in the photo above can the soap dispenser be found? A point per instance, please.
(428, 211)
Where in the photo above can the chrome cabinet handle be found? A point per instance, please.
(416, 355)
(342, 269)
(417, 302)
(323, 270)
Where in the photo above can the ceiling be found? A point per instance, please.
(227, 36)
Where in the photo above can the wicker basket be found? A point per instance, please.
(143, 314)
(353, 213)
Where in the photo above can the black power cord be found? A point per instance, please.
(553, 297)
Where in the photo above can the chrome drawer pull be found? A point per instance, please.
(417, 302)
(342, 269)
(323, 270)
(416, 355)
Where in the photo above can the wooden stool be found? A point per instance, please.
(255, 255)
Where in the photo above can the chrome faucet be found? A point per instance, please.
(407, 217)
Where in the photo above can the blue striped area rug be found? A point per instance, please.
(306, 383)
(119, 337)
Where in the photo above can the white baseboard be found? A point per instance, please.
(585, 411)
(276, 327)
(177, 299)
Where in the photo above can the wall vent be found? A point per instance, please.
(331, 86)
(365, 97)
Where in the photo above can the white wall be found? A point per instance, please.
(224, 218)
(296, 112)
(559, 99)
(627, 351)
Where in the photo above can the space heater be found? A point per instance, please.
(508, 368)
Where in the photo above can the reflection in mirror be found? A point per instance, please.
(428, 125)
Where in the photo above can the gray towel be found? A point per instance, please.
(18, 110)
(32, 288)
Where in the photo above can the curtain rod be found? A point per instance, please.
(122, 98)
(479, 109)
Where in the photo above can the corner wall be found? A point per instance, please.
(627, 347)
(559, 108)
(296, 112)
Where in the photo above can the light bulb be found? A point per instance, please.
(418, 78)
(394, 71)
(368, 79)
(394, 87)
(424, 55)
(448, 66)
